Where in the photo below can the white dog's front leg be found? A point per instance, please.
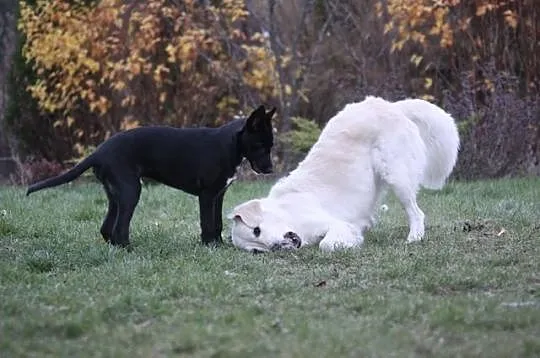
(341, 235)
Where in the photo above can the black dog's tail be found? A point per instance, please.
(68, 176)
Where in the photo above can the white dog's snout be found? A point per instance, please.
(293, 238)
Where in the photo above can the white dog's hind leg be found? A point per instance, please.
(341, 235)
(403, 172)
(407, 197)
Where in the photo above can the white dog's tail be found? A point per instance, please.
(439, 133)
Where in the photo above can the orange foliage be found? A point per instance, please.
(113, 63)
(461, 31)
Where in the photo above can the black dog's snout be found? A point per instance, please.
(262, 169)
(294, 238)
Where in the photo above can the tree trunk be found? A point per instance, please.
(8, 20)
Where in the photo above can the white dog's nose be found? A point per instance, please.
(290, 241)
(294, 238)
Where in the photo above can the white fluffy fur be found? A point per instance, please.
(364, 149)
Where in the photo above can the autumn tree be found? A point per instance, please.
(116, 64)
(446, 38)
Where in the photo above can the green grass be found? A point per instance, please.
(470, 290)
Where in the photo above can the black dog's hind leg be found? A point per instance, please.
(210, 234)
(218, 219)
(129, 191)
(107, 227)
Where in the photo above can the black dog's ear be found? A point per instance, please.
(255, 118)
(270, 114)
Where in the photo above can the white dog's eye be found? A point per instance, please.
(257, 231)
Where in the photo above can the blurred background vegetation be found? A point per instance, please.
(73, 72)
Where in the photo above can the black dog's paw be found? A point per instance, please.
(122, 245)
(213, 243)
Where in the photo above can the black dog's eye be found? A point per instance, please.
(257, 231)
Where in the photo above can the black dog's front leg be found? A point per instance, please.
(210, 225)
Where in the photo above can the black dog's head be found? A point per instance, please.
(257, 139)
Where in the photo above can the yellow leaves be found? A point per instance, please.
(171, 52)
(119, 85)
(262, 70)
(416, 59)
(70, 121)
(226, 102)
(428, 82)
(288, 90)
(238, 34)
(397, 45)
(117, 54)
(427, 97)
(439, 16)
(230, 10)
(379, 9)
(162, 97)
(134, 68)
(447, 37)
(159, 72)
(79, 148)
(389, 26)
(257, 78)
(483, 8)
(489, 85)
(119, 23)
(91, 64)
(463, 24)
(128, 101)
(101, 106)
(55, 37)
(511, 18)
(410, 18)
(129, 123)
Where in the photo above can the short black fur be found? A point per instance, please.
(198, 161)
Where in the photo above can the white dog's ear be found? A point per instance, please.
(250, 213)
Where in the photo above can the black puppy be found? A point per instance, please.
(198, 161)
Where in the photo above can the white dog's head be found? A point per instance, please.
(259, 226)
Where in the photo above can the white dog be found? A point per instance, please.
(331, 196)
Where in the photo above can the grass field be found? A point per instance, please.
(472, 289)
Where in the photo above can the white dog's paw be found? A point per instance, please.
(336, 242)
(329, 246)
(341, 235)
(414, 237)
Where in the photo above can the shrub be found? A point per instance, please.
(302, 136)
(34, 170)
(501, 134)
